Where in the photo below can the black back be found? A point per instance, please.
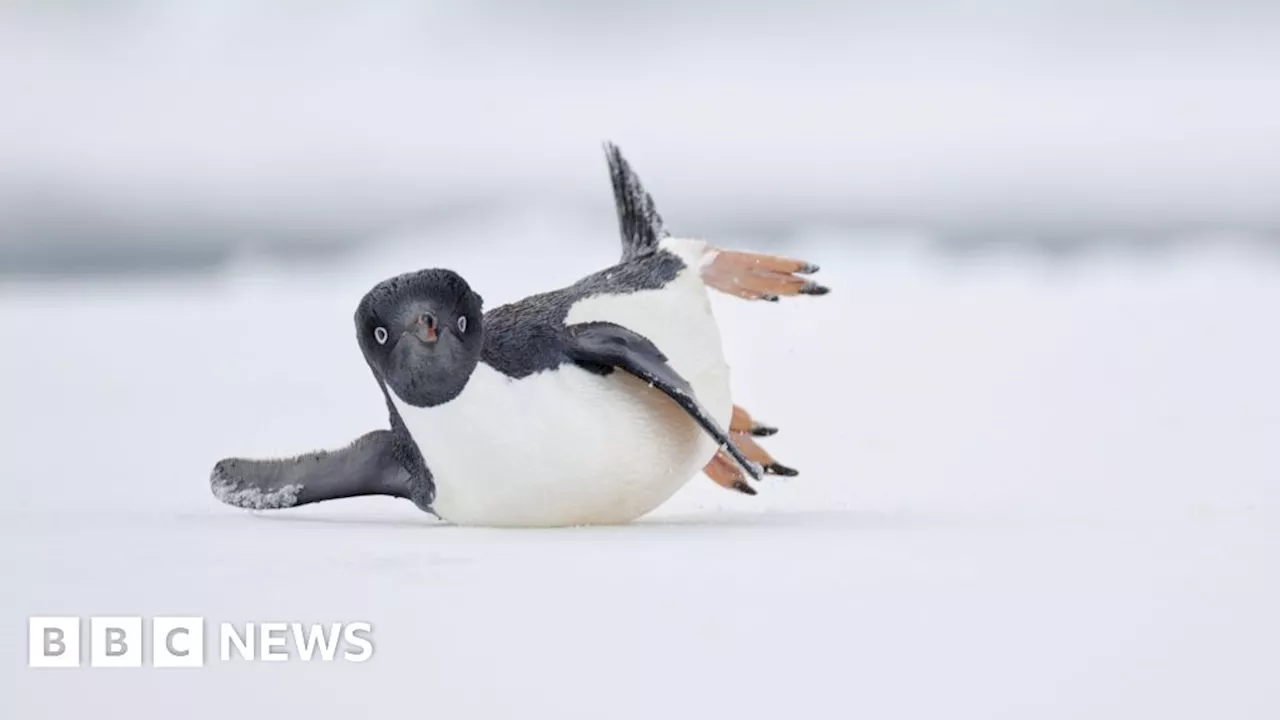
(529, 335)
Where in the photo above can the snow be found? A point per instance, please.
(253, 498)
(1025, 491)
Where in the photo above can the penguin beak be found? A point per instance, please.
(425, 328)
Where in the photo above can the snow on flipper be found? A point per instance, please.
(368, 466)
(638, 219)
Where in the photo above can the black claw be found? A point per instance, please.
(813, 288)
(779, 469)
(808, 269)
(743, 488)
(763, 430)
(769, 298)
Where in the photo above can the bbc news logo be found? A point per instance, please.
(180, 642)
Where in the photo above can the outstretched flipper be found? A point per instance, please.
(601, 347)
(638, 219)
(368, 466)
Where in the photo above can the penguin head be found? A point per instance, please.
(422, 334)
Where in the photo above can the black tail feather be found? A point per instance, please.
(638, 219)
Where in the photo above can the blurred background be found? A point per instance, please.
(1037, 420)
(142, 135)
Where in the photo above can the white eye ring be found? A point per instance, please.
(462, 323)
(380, 334)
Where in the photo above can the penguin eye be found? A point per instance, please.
(380, 334)
(462, 324)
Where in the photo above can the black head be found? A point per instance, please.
(422, 334)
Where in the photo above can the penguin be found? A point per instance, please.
(591, 404)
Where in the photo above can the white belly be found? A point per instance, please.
(569, 447)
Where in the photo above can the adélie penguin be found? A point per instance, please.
(591, 404)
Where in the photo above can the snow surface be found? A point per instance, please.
(1025, 492)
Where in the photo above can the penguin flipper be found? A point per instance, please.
(601, 347)
(368, 466)
(638, 220)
